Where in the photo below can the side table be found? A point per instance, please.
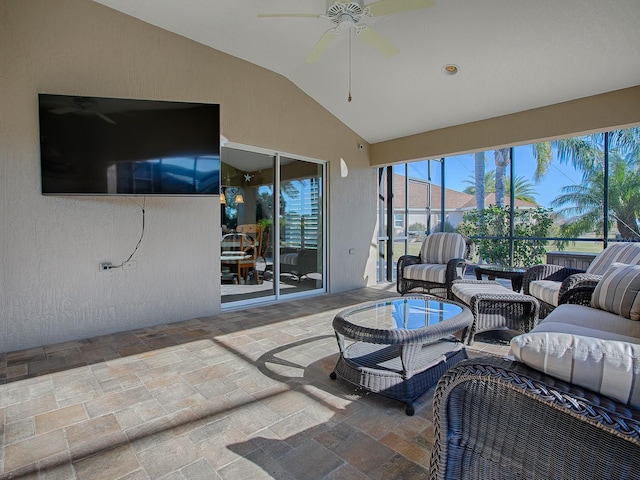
(515, 274)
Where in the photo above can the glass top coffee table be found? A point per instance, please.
(399, 347)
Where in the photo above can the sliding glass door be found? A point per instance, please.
(301, 226)
(268, 252)
(246, 213)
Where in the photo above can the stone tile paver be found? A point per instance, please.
(243, 394)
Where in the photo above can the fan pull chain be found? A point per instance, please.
(350, 35)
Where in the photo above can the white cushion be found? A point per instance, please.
(426, 272)
(466, 291)
(546, 290)
(604, 366)
(586, 317)
(619, 291)
(553, 327)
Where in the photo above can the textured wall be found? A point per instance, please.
(50, 247)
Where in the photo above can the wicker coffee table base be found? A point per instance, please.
(378, 368)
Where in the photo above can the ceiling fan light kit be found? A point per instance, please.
(348, 15)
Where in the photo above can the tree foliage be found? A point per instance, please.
(493, 221)
(582, 203)
(523, 188)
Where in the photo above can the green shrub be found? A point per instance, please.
(493, 221)
(417, 227)
(447, 227)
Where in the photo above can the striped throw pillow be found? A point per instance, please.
(618, 291)
(608, 367)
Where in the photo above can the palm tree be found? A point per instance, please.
(502, 158)
(488, 184)
(479, 179)
(523, 188)
(584, 201)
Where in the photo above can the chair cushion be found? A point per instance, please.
(608, 367)
(466, 291)
(426, 272)
(601, 322)
(619, 291)
(441, 247)
(561, 327)
(289, 258)
(628, 253)
(546, 290)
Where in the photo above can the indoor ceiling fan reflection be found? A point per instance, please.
(347, 16)
(82, 106)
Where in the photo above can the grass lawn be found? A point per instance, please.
(413, 248)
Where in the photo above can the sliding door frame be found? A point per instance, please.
(277, 295)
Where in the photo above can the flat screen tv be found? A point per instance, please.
(112, 146)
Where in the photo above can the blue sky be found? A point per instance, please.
(461, 168)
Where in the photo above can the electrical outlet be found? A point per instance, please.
(130, 265)
(105, 266)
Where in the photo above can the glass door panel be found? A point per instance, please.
(301, 226)
(246, 212)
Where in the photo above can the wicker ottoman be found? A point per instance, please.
(495, 307)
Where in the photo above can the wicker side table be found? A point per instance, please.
(399, 347)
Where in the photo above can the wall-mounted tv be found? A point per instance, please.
(112, 146)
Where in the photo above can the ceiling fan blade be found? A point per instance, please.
(377, 41)
(282, 15)
(63, 110)
(105, 118)
(323, 44)
(387, 7)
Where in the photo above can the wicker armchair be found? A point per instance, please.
(441, 261)
(499, 419)
(548, 283)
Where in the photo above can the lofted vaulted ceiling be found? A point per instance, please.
(513, 55)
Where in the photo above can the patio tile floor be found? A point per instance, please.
(240, 395)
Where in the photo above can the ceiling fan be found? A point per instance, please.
(348, 15)
(82, 106)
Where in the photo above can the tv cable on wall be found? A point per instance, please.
(110, 266)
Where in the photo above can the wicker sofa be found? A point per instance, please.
(565, 406)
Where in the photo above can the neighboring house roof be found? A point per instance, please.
(490, 199)
(418, 191)
(454, 199)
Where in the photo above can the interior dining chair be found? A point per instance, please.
(241, 251)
